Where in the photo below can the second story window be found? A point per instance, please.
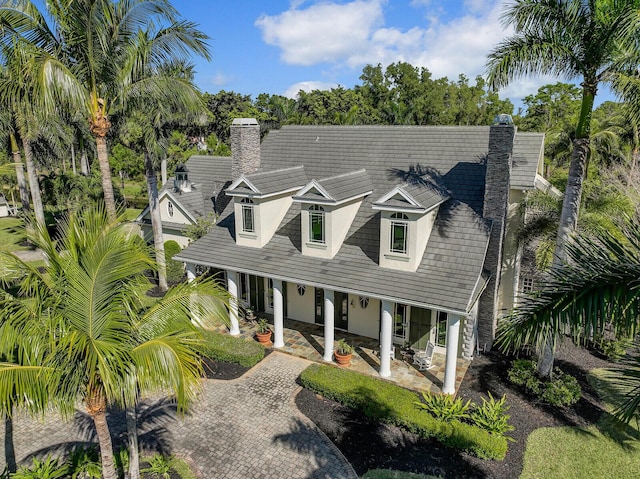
(247, 216)
(399, 227)
(316, 224)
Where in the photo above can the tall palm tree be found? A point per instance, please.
(589, 40)
(87, 336)
(600, 284)
(86, 56)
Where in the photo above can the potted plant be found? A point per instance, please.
(263, 332)
(250, 313)
(343, 352)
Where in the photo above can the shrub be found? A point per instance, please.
(614, 349)
(232, 349)
(48, 469)
(343, 347)
(159, 466)
(444, 407)
(175, 270)
(523, 374)
(84, 463)
(392, 404)
(562, 390)
(492, 416)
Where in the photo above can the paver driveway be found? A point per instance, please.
(241, 429)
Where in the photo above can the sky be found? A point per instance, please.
(280, 46)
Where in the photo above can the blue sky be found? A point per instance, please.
(280, 46)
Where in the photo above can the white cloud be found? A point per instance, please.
(220, 79)
(351, 35)
(307, 86)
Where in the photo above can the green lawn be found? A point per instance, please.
(608, 449)
(11, 234)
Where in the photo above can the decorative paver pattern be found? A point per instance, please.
(244, 428)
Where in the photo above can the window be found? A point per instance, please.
(527, 285)
(441, 329)
(364, 302)
(170, 209)
(301, 289)
(316, 224)
(400, 322)
(247, 215)
(399, 233)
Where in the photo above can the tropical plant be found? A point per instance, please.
(444, 406)
(159, 466)
(84, 463)
(262, 326)
(594, 41)
(82, 334)
(88, 54)
(343, 347)
(49, 468)
(492, 415)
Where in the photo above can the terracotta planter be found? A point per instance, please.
(343, 359)
(264, 338)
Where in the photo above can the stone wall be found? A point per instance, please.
(245, 147)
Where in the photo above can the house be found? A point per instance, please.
(195, 191)
(400, 233)
(5, 209)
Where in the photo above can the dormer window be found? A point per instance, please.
(316, 224)
(248, 224)
(170, 209)
(399, 227)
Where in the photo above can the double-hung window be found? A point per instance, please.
(399, 230)
(247, 216)
(316, 224)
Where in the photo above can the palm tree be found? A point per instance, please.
(589, 40)
(87, 56)
(85, 332)
(600, 285)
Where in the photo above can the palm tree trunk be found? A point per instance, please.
(570, 205)
(156, 222)
(105, 171)
(96, 406)
(22, 182)
(9, 450)
(84, 163)
(132, 434)
(163, 169)
(34, 186)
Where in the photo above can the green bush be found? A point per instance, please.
(614, 349)
(84, 463)
(175, 270)
(392, 404)
(232, 349)
(159, 466)
(444, 406)
(492, 416)
(48, 469)
(562, 390)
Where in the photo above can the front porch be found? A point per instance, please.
(306, 340)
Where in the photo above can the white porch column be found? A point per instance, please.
(278, 314)
(386, 326)
(328, 324)
(232, 287)
(453, 332)
(191, 272)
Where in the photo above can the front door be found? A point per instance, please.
(420, 328)
(319, 306)
(341, 310)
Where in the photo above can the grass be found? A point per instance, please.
(132, 213)
(606, 449)
(11, 234)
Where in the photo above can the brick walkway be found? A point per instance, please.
(245, 428)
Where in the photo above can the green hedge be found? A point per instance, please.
(232, 349)
(392, 404)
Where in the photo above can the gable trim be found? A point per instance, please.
(161, 196)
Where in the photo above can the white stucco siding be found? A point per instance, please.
(179, 216)
(364, 322)
(301, 308)
(340, 220)
(511, 254)
(270, 215)
(418, 230)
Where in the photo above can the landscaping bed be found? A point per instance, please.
(368, 444)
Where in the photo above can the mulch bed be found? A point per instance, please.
(370, 445)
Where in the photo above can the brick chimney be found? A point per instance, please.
(496, 199)
(245, 146)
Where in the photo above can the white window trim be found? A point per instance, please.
(248, 206)
(405, 225)
(317, 211)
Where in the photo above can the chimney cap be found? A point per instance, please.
(245, 122)
(503, 119)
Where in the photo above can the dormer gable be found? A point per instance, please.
(408, 212)
(328, 207)
(261, 201)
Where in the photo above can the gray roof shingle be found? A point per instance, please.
(274, 181)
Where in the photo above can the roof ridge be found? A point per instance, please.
(259, 173)
(343, 174)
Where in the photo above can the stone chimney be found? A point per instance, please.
(245, 147)
(496, 199)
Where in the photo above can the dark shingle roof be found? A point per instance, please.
(341, 187)
(527, 152)
(450, 157)
(273, 181)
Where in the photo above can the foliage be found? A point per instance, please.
(84, 463)
(392, 404)
(343, 347)
(615, 348)
(49, 468)
(262, 326)
(492, 415)
(444, 407)
(159, 466)
(232, 349)
(562, 390)
(175, 269)
(201, 227)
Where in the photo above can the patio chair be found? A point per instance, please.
(424, 358)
